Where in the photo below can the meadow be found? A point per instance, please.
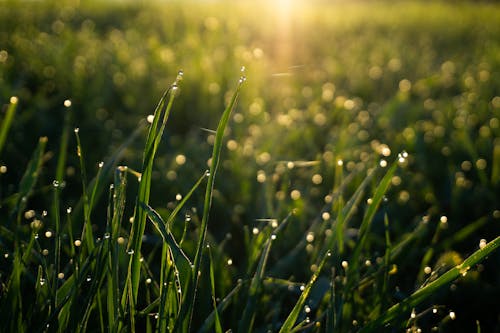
(215, 166)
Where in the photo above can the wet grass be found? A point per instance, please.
(357, 168)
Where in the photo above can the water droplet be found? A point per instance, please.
(329, 253)
(48, 233)
(68, 210)
(55, 183)
(130, 252)
(42, 281)
(310, 237)
(243, 78)
(14, 100)
(187, 217)
(453, 316)
(180, 74)
(434, 310)
(413, 314)
(255, 231)
(101, 164)
(273, 236)
(242, 69)
(156, 316)
(107, 235)
(302, 288)
(229, 262)
(383, 163)
(150, 118)
(207, 173)
(78, 243)
(482, 243)
(76, 129)
(67, 103)
(178, 197)
(89, 278)
(36, 236)
(345, 264)
(464, 270)
(148, 281)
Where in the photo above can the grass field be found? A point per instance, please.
(250, 166)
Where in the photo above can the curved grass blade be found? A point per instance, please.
(422, 294)
(153, 140)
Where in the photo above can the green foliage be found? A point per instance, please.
(314, 222)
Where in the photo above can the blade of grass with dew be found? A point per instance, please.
(221, 307)
(289, 323)
(189, 297)
(181, 259)
(7, 122)
(248, 316)
(430, 289)
(217, 323)
(87, 236)
(152, 142)
(378, 196)
(117, 198)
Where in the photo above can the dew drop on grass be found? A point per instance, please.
(101, 164)
(434, 310)
(383, 163)
(310, 237)
(76, 130)
(68, 210)
(307, 309)
(188, 217)
(302, 288)
(67, 103)
(427, 270)
(482, 243)
(55, 183)
(42, 281)
(255, 231)
(273, 237)
(229, 262)
(150, 118)
(89, 278)
(36, 236)
(48, 233)
(148, 281)
(130, 252)
(107, 235)
(156, 316)
(345, 264)
(453, 316)
(413, 314)
(14, 100)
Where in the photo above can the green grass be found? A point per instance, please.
(351, 182)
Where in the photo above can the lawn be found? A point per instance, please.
(205, 166)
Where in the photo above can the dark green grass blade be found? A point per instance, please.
(153, 140)
(6, 123)
(221, 307)
(217, 323)
(248, 316)
(180, 258)
(289, 323)
(188, 302)
(422, 294)
(378, 196)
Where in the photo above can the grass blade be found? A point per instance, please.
(294, 314)
(7, 121)
(430, 289)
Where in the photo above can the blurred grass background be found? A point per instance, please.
(327, 81)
